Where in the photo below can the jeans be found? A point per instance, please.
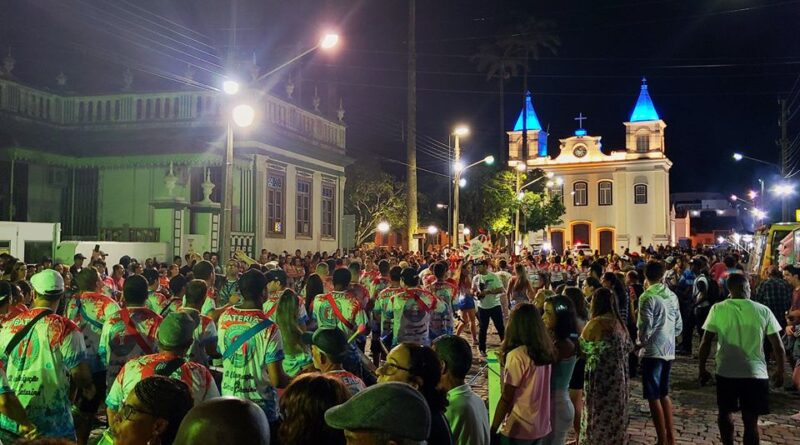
(687, 314)
(484, 315)
(561, 415)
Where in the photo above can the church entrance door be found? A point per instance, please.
(606, 238)
(557, 241)
(580, 234)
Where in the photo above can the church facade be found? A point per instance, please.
(614, 199)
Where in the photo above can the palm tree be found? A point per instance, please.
(498, 63)
(513, 49)
(526, 43)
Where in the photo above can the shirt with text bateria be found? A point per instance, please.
(90, 311)
(442, 316)
(196, 376)
(118, 342)
(38, 366)
(326, 316)
(410, 313)
(246, 371)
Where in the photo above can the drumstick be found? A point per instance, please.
(359, 330)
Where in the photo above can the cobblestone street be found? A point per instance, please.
(695, 408)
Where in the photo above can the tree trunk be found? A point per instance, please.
(411, 129)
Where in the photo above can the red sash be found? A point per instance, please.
(338, 312)
(131, 330)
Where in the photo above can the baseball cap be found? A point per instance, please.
(176, 330)
(78, 256)
(331, 341)
(48, 282)
(393, 407)
(277, 275)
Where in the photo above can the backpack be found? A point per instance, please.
(713, 295)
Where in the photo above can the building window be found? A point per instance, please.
(558, 192)
(276, 194)
(640, 194)
(328, 209)
(605, 192)
(643, 143)
(580, 196)
(303, 206)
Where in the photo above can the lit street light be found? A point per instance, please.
(461, 130)
(328, 41)
(230, 87)
(243, 115)
(466, 231)
(462, 183)
(441, 206)
(433, 230)
(783, 190)
(383, 227)
(459, 168)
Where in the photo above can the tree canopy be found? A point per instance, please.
(373, 196)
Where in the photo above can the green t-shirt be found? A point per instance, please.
(490, 281)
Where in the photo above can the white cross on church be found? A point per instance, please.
(580, 119)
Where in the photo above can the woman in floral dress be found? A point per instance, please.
(606, 345)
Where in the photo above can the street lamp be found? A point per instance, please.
(243, 115)
(459, 169)
(230, 87)
(328, 41)
(433, 230)
(461, 130)
(521, 195)
(383, 227)
(783, 190)
(441, 206)
(466, 231)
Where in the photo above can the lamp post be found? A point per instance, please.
(243, 115)
(782, 193)
(461, 182)
(520, 168)
(458, 132)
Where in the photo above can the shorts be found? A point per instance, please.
(578, 375)
(466, 303)
(655, 377)
(90, 406)
(748, 395)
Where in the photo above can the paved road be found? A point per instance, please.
(695, 409)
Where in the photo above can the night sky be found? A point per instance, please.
(715, 68)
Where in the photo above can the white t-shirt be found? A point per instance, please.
(741, 326)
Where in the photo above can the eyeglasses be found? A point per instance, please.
(391, 369)
(126, 411)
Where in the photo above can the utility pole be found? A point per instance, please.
(456, 186)
(411, 130)
(783, 144)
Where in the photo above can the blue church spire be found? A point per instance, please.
(644, 109)
(532, 121)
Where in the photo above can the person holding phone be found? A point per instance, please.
(488, 289)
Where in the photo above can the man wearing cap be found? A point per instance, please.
(77, 264)
(40, 360)
(488, 289)
(175, 337)
(90, 309)
(390, 413)
(253, 366)
(277, 281)
(131, 332)
(328, 350)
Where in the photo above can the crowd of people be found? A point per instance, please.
(367, 347)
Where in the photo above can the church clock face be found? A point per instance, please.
(579, 151)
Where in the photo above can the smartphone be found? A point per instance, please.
(97, 247)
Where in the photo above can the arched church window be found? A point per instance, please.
(640, 194)
(605, 195)
(580, 194)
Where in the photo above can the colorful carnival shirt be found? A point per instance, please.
(442, 316)
(351, 381)
(228, 290)
(130, 333)
(13, 311)
(378, 284)
(337, 310)
(196, 376)
(557, 274)
(156, 301)
(246, 370)
(90, 311)
(382, 323)
(360, 293)
(271, 305)
(204, 334)
(410, 312)
(38, 367)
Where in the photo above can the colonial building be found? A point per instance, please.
(148, 166)
(614, 199)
